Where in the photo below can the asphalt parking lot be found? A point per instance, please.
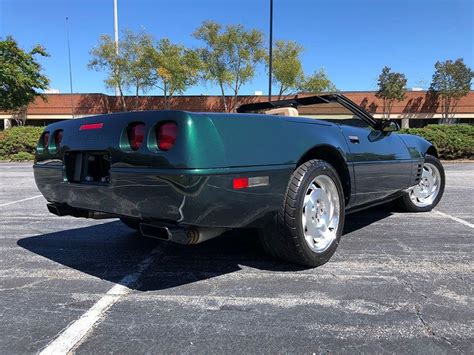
(399, 282)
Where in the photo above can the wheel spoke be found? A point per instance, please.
(308, 215)
(308, 200)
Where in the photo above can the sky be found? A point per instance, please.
(351, 40)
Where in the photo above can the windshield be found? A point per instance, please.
(327, 111)
(331, 111)
(335, 108)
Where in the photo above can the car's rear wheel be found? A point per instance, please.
(309, 225)
(427, 194)
(131, 223)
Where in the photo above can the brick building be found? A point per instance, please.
(418, 109)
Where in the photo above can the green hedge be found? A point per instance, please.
(451, 141)
(19, 143)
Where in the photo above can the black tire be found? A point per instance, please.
(283, 237)
(406, 204)
(131, 223)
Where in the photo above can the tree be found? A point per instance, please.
(317, 83)
(105, 58)
(138, 72)
(230, 56)
(451, 81)
(174, 68)
(392, 87)
(215, 68)
(21, 76)
(287, 71)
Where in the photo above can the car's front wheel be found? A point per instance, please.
(309, 225)
(427, 194)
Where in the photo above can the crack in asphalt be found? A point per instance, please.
(428, 329)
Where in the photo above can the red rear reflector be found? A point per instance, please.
(166, 135)
(89, 126)
(45, 139)
(241, 183)
(136, 135)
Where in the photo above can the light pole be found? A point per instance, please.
(70, 68)
(116, 35)
(270, 50)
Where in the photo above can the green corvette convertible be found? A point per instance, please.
(292, 169)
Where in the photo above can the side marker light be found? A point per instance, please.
(245, 182)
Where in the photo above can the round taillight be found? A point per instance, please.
(58, 137)
(45, 139)
(136, 135)
(166, 135)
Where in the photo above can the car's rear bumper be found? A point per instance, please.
(200, 197)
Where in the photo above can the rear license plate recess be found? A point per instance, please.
(87, 167)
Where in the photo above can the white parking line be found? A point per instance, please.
(25, 199)
(462, 221)
(75, 333)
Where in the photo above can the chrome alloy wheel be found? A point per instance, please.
(320, 217)
(425, 193)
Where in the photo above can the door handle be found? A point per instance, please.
(354, 139)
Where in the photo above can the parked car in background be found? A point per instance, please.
(189, 177)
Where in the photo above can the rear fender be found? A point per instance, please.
(258, 140)
(337, 159)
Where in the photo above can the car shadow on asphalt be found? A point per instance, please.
(111, 251)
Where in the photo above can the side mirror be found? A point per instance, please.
(389, 126)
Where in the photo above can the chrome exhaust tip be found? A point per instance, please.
(154, 231)
(65, 210)
(181, 235)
